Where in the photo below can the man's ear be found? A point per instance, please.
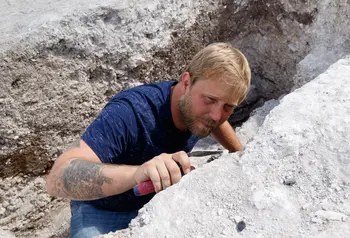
(185, 81)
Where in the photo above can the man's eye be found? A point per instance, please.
(209, 99)
(229, 108)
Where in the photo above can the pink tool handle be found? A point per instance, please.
(144, 188)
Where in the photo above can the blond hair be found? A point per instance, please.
(220, 61)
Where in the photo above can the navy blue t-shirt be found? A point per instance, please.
(135, 126)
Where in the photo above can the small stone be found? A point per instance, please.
(289, 181)
(12, 208)
(336, 187)
(5, 204)
(292, 47)
(279, 17)
(2, 211)
(240, 226)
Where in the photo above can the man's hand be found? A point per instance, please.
(163, 170)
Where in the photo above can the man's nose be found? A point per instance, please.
(216, 113)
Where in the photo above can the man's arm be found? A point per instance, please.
(227, 137)
(78, 174)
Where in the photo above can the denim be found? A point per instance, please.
(88, 221)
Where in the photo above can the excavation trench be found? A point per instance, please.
(54, 88)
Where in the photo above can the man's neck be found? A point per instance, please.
(175, 97)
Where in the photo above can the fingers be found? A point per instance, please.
(163, 170)
(164, 175)
(153, 175)
(174, 171)
(182, 158)
(168, 170)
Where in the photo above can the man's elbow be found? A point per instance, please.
(50, 186)
(54, 182)
(236, 148)
(239, 148)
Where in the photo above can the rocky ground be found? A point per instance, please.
(61, 61)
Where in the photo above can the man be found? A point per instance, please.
(143, 134)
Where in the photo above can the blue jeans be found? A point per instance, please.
(88, 221)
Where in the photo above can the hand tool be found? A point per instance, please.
(147, 187)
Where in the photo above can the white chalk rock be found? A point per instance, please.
(330, 215)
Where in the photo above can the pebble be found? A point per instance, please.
(289, 181)
(336, 187)
(5, 204)
(2, 211)
(240, 226)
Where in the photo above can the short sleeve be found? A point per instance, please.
(110, 133)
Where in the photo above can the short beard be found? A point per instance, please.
(185, 108)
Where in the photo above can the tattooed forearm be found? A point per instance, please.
(82, 180)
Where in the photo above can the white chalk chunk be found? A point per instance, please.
(330, 215)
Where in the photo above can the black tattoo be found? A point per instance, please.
(82, 180)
